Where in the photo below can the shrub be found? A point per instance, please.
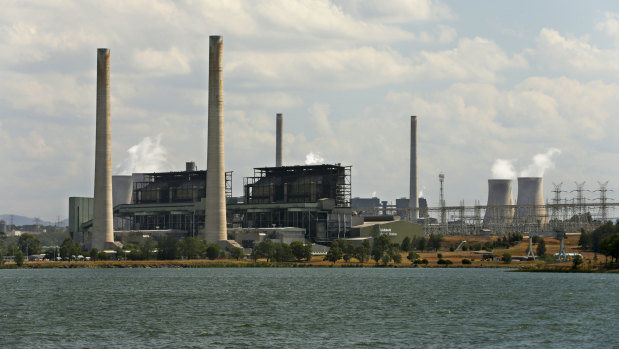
(444, 261)
(212, 251)
(451, 248)
(439, 255)
(466, 261)
(412, 256)
(19, 258)
(507, 258)
(102, 256)
(424, 261)
(576, 262)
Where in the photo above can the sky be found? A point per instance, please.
(500, 88)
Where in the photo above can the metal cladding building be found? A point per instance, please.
(314, 197)
(173, 201)
(499, 198)
(530, 202)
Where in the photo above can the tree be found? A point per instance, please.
(385, 259)
(541, 248)
(283, 253)
(298, 250)
(610, 246)
(397, 258)
(334, 254)
(19, 258)
(236, 253)
(308, 251)
(94, 253)
(103, 256)
(212, 251)
(576, 262)
(191, 247)
(406, 244)
(265, 249)
(147, 248)
(381, 245)
(68, 248)
(362, 252)
(435, 241)
(168, 249)
(412, 256)
(585, 240)
(29, 244)
(422, 243)
(507, 258)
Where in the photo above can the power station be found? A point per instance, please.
(283, 202)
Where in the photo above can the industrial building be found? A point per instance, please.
(313, 197)
(396, 229)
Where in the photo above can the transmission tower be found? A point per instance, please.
(603, 200)
(556, 200)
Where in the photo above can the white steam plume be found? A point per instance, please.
(313, 159)
(147, 156)
(503, 169)
(541, 162)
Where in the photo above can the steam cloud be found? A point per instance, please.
(147, 156)
(541, 162)
(503, 169)
(314, 159)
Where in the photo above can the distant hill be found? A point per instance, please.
(22, 220)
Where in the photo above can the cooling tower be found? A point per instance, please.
(102, 227)
(215, 211)
(530, 201)
(413, 200)
(499, 195)
(279, 125)
(122, 190)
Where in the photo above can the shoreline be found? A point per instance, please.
(204, 263)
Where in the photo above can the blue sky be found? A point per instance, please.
(488, 80)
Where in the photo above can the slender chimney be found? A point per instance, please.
(102, 227)
(413, 199)
(279, 125)
(215, 213)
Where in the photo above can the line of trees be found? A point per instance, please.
(604, 240)
(281, 252)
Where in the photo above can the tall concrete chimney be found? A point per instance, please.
(215, 212)
(413, 199)
(102, 225)
(279, 125)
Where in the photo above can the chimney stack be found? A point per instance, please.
(279, 125)
(102, 227)
(215, 212)
(413, 199)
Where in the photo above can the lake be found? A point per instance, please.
(307, 308)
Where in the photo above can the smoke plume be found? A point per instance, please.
(314, 159)
(541, 162)
(147, 156)
(503, 169)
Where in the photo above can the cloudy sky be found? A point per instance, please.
(488, 80)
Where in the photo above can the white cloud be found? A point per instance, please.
(576, 55)
(398, 11)
(610, 25)
(155, 62)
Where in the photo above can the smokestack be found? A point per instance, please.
(279, 125)
(102, 226)
(412, 203)
(499, 194)
(215, 212)
(531, 198)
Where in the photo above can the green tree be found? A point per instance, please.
(435, 241)
(236, 253)
(147, 249)
(94, 253)
(212, 251)
(29, 244)
(397, 258)
(103, 256)
(298, 250)
(406, 244)
(191, 247)
(541, 248)
(68, 248)
(19, 258)
(585, 240)
(385, 259)
(507, 258)
(334, 254)
(265, 249)
(283, 253)
(308, 251)
(422, 244)
(362, 252)
(168, 249)
(576, 262)
(381, 245)
(412, 256)
(610, 246)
